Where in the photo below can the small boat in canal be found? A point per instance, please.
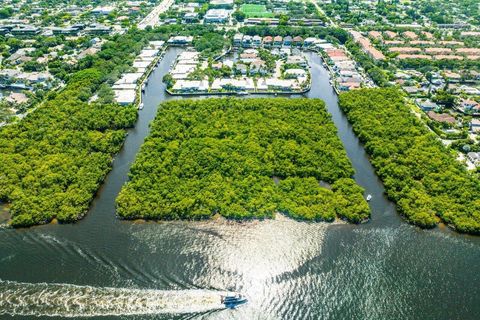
(233, 301)
(369, 197)
(140, 107)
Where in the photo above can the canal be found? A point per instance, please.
(102, 266)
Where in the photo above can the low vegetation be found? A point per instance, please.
(419, 173)
(218, 156)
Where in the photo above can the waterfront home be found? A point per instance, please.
(295, 73)
(280, 84)
(190, 86)
(297, 59)
(124, 97)
(180, 40)
(188, 57)
(347, 86)
(233, 84)
(278, 41)
(129, 78)
(309, 42)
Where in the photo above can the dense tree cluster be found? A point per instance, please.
(420, 174)
(54, 160)
(218, 156)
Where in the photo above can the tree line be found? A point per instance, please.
(420, 174)
(54, 159)
(218, 156)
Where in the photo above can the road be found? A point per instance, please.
(152, 18)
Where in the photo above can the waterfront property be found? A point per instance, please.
(247, 70)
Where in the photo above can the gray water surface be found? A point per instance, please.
(102, 266)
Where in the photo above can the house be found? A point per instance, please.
(256, 41)
(103, 10)
(279, 84)
(180, 40)
(247, 41)
(298, 41)
(468, 105)
(65, 31)
(97, 28)
(25, 30)
(124, 97)
(190, 85)
(474, 157)
(347, 86)
(17, 98)
(278, 41)
(299, 60)
(475, 125)
(309, 42)
(258, 67)
(427, 105)
(267, 41)
(295, 73)
(190, 17)
(287, 41)
(237, 39)
(241, 68)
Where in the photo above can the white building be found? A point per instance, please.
(217, 16)
(125, 97)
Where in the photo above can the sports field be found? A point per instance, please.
(255, 11)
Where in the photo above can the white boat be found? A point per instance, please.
(140, 107)
(369, 197)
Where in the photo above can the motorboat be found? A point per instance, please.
(242, 93)
(369, 197)
(140, 107)
(234, 300)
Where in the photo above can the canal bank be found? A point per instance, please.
(385, 269)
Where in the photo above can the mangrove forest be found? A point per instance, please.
(420, 174)
(242, 159)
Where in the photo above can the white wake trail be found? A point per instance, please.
(66, 300)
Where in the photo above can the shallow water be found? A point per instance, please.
(385, 269)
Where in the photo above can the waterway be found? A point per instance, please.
(102, 266)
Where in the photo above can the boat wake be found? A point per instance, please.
(65, 300)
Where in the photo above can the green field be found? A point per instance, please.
(256, 11)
